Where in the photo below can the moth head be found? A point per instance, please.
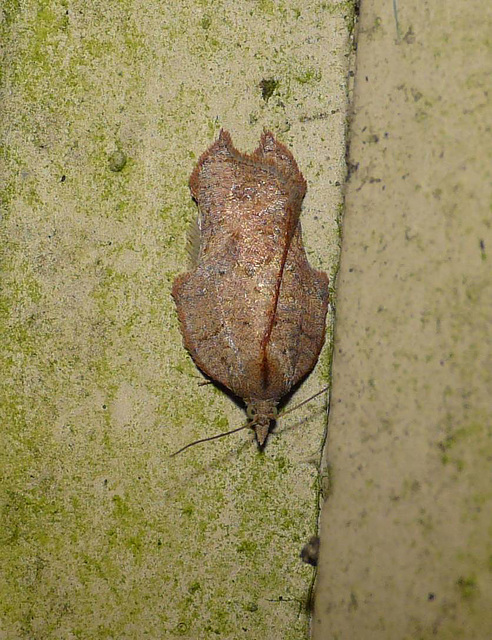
(261, 413)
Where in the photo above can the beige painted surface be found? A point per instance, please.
(102, 534)
(406, 547)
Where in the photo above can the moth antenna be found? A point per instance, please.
(250, 425)
(220, 435)
(284, 413)
(193, 242)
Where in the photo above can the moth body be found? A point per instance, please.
(252, 311)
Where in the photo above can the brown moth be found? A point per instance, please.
(252, 311)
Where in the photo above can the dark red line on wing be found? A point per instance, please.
(273, 311)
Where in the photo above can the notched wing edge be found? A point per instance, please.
(271, 154)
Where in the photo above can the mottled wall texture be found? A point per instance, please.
(406, 549)
(105, 109)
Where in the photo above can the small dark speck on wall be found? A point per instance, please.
(268, 87)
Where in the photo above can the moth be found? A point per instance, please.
(252, 311)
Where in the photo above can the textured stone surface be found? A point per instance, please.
(105, 110)
(406, 530)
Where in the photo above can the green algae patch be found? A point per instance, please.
(309, 76)
(467, 587)
(117, 161)
(268, 87)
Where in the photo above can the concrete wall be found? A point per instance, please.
(105, 109)
(406, 547)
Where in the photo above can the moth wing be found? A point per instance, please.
(312, 335)
(201, 324)
(299, 326)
